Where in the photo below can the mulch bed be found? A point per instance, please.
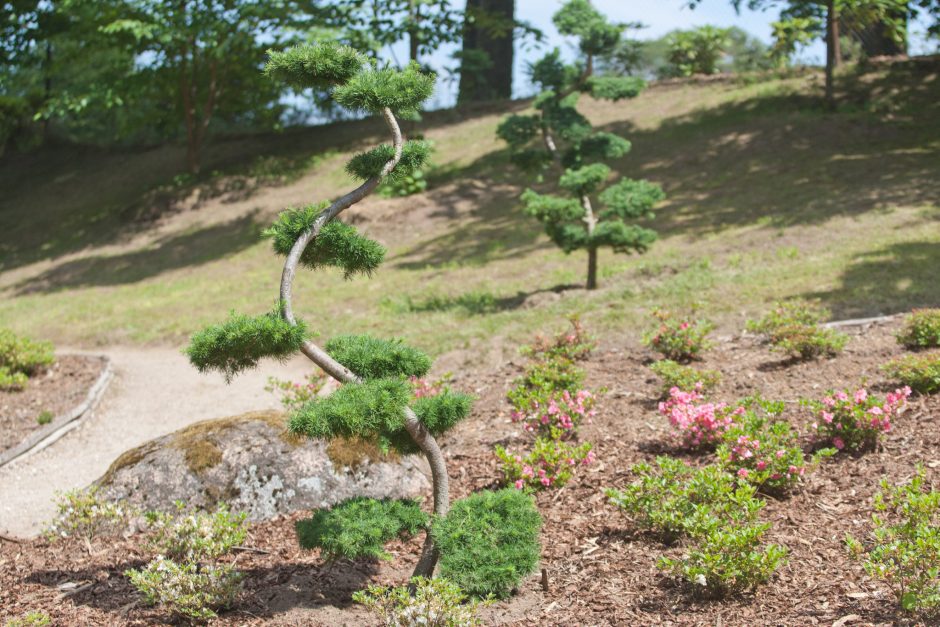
(60, 388)
(601, 572)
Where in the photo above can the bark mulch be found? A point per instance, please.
(600, 571)
(60, 388)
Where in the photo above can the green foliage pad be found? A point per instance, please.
(414, 155)
(242, 341)
(318, 65)
(489, 542)
(360, 527)
(374, 358)
(337, 244)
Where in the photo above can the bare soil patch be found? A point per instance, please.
(601, 572)
(58, 390)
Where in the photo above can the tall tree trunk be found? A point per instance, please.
(495, 81)
(833, 51)
(414, 20)
(592, 269)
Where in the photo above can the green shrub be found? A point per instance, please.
(360, 527)
(196, 536)
(905, 548)
(573, 345)
(921, 329)
(765, 451)
(435, 603)
(919, 372)
(792, 327)
(21, 355)
(686, 378)
(543, 378)
(727, 559)
(190, 590)
(489, 542)
(679, 338)
(550, 464)
(45, 417)
(85, 514)
(10, 380)
(671, 499)
(242, 341)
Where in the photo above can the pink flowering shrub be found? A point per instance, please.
(855, 422)
(697, 424)
(559, 416)
(764, 451)
(679, 338)
(575, 344)
(550, 464)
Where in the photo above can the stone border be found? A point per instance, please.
(63, 423)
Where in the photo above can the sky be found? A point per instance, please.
(660, 17)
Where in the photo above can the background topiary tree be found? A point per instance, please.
(376, 400)
(559, 136)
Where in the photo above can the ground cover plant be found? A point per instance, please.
(559, 137)
(377, 401)
(855, 422)
(716, 515)
(921, 329)
(21, 358)
(920, 372)
(793, 328)
(434, 603)
(904, 548)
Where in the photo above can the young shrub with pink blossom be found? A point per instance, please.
(765, 451)
(575, 344)
(696, 424)
(679, 338)
(855, 422)
(559, 416)
(550, 464)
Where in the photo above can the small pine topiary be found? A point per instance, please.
(595, 212)
(360, 527)
(489, 542)
(377, 401)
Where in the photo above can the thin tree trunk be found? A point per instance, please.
(592, 268)
(833, 52)
(414, 19)
(590, 221)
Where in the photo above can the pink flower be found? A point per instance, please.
(743, 473)
(589, 458)
(519, 484)
(761, 465)
(861, 395)
(827, 417)
(838, 443)
(545, 481)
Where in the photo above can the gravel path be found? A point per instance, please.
(155, 391)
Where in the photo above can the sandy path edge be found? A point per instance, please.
(154, 391)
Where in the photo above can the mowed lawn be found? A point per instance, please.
(769, 197)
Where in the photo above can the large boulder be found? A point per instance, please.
(255, 466)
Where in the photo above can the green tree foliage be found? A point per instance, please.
(697, 51)
(489, 542)
(790, 35)
(558, 134)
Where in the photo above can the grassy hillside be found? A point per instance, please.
(769, 197)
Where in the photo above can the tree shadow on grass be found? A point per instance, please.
(476, 303)
(171, 253)
(888, 280)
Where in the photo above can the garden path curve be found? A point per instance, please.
(155, 391)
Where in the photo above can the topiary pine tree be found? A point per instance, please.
(559, 136)
(376, 400)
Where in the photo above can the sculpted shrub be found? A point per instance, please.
(377, 401)
(697, 424)
(855, 423)
(921, 373)
(685, 378)
(921, 329)
(679, 338)
(904, 548)
(550, 464)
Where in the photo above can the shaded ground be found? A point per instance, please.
(48, 395)
(601, 572)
